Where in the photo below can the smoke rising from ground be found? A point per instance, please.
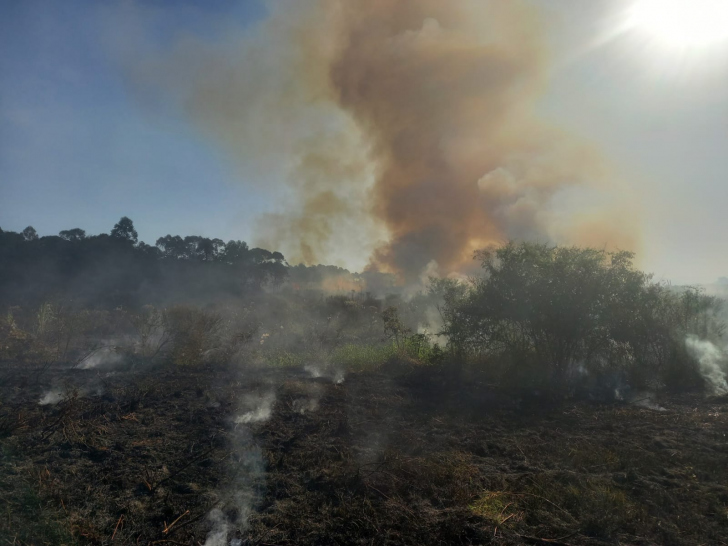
(327, 370)
(258, 407)
(711, 360)
(104, 357)
(310, 402)
(51, 397)
(245, 471)
(403, 131)
(245, 476)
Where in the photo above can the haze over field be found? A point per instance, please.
(395, 136)
(385, 272)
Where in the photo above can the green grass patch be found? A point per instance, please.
(285, 359)
(494, 506)
(356, 357)
(359, 358)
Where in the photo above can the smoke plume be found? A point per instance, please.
(51, 397)
(258, 408)
(245, 472)
(711, 360)
(399, 132)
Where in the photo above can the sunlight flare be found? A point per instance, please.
(681, 23)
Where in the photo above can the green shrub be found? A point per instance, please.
(562, 318)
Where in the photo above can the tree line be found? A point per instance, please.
(116, 269)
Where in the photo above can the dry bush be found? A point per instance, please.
(57, 328)
(53, 333)
(14, 341)
(237, 334)
(193, 333)
(151, 335)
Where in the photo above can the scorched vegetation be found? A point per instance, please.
(201, 392)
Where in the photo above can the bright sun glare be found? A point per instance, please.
(682, 24)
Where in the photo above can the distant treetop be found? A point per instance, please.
(124, 229)
(75, 234)
(29, 234)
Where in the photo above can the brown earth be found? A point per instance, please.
(143, 457)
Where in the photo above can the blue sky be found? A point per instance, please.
(78, 150)
(75, 148)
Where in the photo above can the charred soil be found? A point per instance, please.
(413, 458)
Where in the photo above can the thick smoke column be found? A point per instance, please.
(405, 130)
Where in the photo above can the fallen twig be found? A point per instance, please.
(168, 527)
(186, 523)
(117, 526)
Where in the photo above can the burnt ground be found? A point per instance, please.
(143, 458)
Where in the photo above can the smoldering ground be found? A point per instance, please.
(238, 431)
(401, 132)
(393, 460)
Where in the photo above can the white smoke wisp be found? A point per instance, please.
(245, 473)
(59, 394)
(644, 400)
(712, 361)
(310, 403)
(305, 405)
(259, 408)
(325, 370)
(51, 397)
(434, 325)
(429, 271)
(314, 371)
(220, 528)
(105, 357)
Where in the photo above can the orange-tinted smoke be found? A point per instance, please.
(445, 92)
(400, 130)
